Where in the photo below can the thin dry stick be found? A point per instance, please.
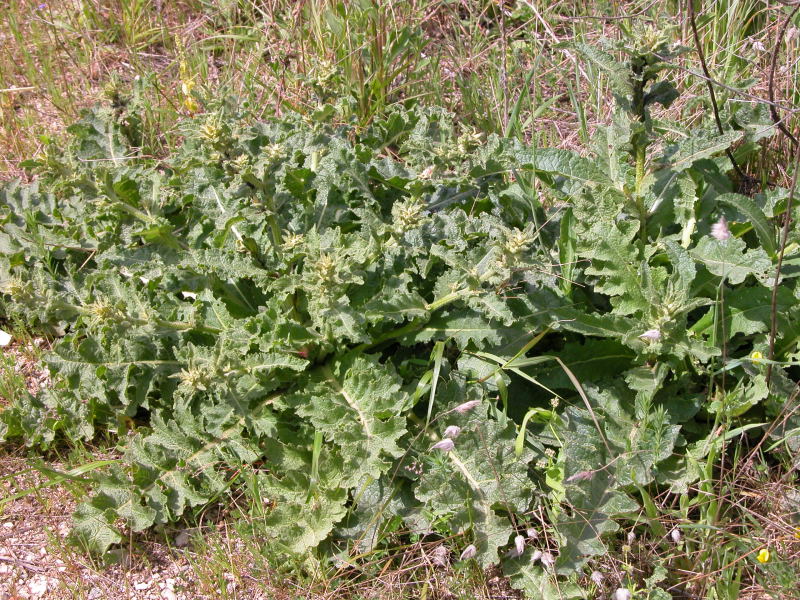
(783, 417)
(773, 111)
(787, 220)
(711, 94)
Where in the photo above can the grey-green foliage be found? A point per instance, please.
(269, 299)
(251, 305)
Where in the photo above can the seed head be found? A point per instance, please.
(675, 534)
(519, 544)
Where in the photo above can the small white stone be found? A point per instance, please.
(5, 338)
(168, 594)
(38, 585)
(8, 525)
(144, 585)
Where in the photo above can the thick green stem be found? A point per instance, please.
(417, 324)
(445, 300)
(174, 325)
(641, 155)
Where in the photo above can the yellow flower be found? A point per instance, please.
(797, 532)
(756, 356)
(191, 105)
(763, 555)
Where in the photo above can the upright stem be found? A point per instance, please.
(641, 155)
(640, 142)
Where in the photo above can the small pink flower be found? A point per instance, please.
(548, 560)
(622, 594)
(597, 577)
(445, 445)
(580, 476)
(452, 431)
(651, 335)
(466, 406)
(537, 554)
(720, 231)
(469, 552)
(675, 534)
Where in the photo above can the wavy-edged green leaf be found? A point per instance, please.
(358, 405)
(685, 153)
(478, 480)
(593, 501)
(748, 311)
(730, 259)
(763, 228)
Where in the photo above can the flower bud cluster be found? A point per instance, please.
(194, 378)
(274, 151)
(512, 248)
(211, 131)
(292, 241)
(18, 289)
(102, 311)
(241, 162)
(326, 270)
(408, 214)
